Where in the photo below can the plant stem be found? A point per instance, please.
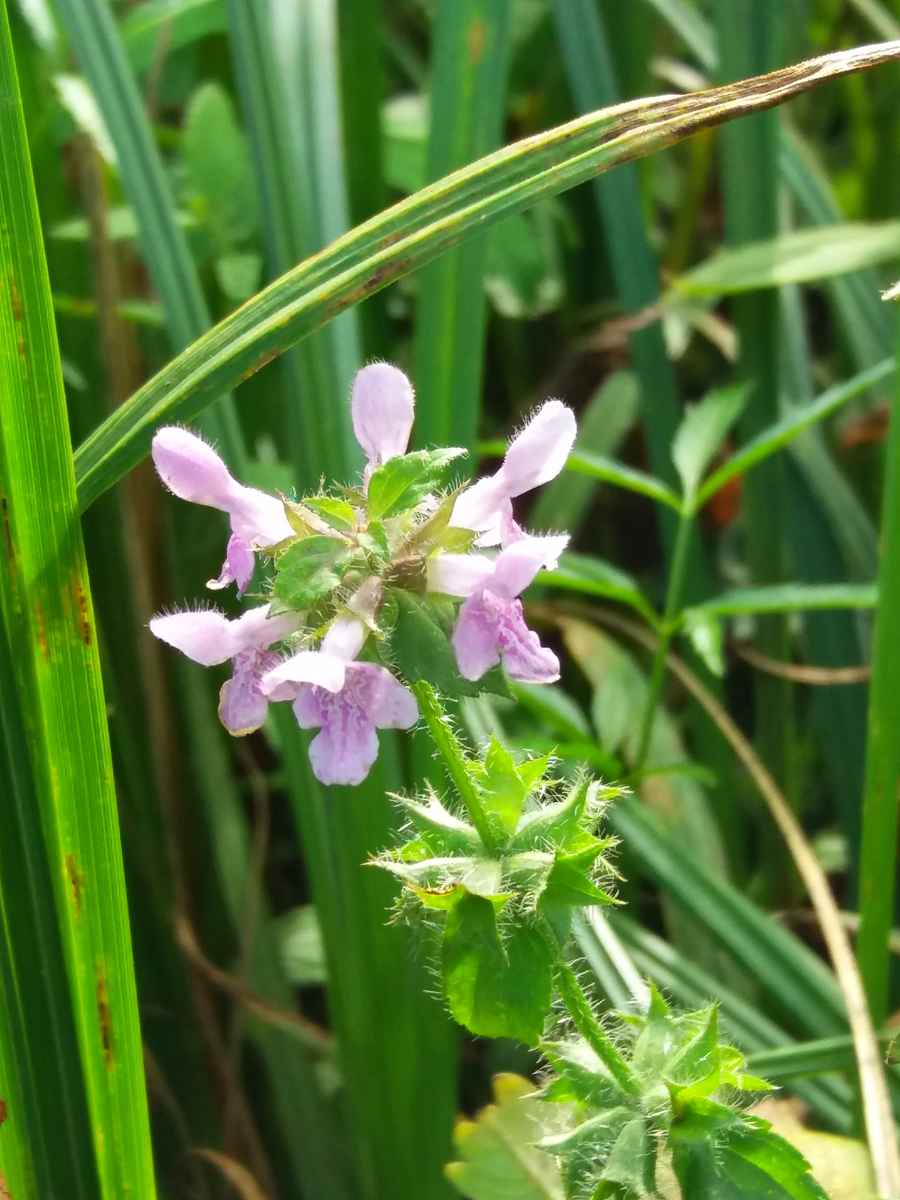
(673, 599)
(579, 1009)
(454, 758)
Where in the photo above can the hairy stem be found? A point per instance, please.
(579, 1009)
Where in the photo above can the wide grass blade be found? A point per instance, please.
(48, 617)
(470, 62)
(418, 229)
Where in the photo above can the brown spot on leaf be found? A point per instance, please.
(262, 361)
(477, 39)
(82, 617)
(75, 880)
(104, 1016)
(41, 630)
(5, 1193)
(15, 299)
(4, 1111)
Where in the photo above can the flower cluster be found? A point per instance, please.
(360, 579)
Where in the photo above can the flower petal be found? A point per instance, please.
(457, 574)
(540, 451)
(257, 628)
(517, 565)
(242, 706)
(206, 636)
(344, 754)
(480, 506)
(382, 404)
(396, 705)
(309, 666)
(345, 638)
(257, 517)
(237, 567)
(523, 655)
(190, 468)
(475, 638)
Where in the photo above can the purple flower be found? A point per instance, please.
(346, 701)
(193, 471)
(383, 406)
(491, 626)
(209, 638)
(533, 457)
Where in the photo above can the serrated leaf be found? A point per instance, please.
(407, 479)
(698, 1057)
(581, 1076)
(632, 1159)
(338, 513)
(702, 432)
(310, 569)
(446, 833)
(499, 1156)
(503, 790)
(495, 987)
(558, 822)
(721, 1155)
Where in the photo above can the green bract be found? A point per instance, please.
(502, 895)
(662, 1082)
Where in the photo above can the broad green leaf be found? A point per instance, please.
(499, 1156)
(702, 431)
(338, 513)
(220, 179)
(803, 256)
(785, 597)
(498, 984)
(503, 789)
(406, 480)
(309, 570)
(397, 241)
(419, 629)
(632, 1159)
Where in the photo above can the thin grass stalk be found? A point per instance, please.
(878, 855)
(411, 233)
(48, 616)
(470, 63)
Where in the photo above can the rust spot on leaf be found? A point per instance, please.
(103, 1015)
(5, 1193)
(477, 39)
(75, 880)
(20, 345)
(15, 299)
(262, 361)
(82, 618)
(42, 630)
(4, 1111)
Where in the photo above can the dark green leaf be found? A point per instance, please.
(702, 432)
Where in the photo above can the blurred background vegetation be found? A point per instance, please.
(188, 151)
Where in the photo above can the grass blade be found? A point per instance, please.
(788, 597)
(418, 229)
(598, 466)
(878, 859)
(48, 616)
(471, 51)
(98, 46)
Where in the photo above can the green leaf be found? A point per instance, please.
(594, 577)
(340, 515)
(802, 256)
(404, 237)
(608, 470)
(309, 570)
(420, 645)
(785, 597)
(406, 480)
(500, 1158)
(702, 432)
(502, 787)
(705, 633)
(721, 1155)
(172, 23)
(48, 621)
(496, 987)
(223, 190)
(632, 1159)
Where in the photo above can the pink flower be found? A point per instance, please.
(383, 406)
(535, 456)
(193, 471)
(346, 701)
(491, 626)
(209, 638)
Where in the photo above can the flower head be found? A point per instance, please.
(533, 457)
(491, 626)
(193, 471)
(208, 637)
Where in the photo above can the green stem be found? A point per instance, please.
(454, 758)
(673, 600)
(579, 1009)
